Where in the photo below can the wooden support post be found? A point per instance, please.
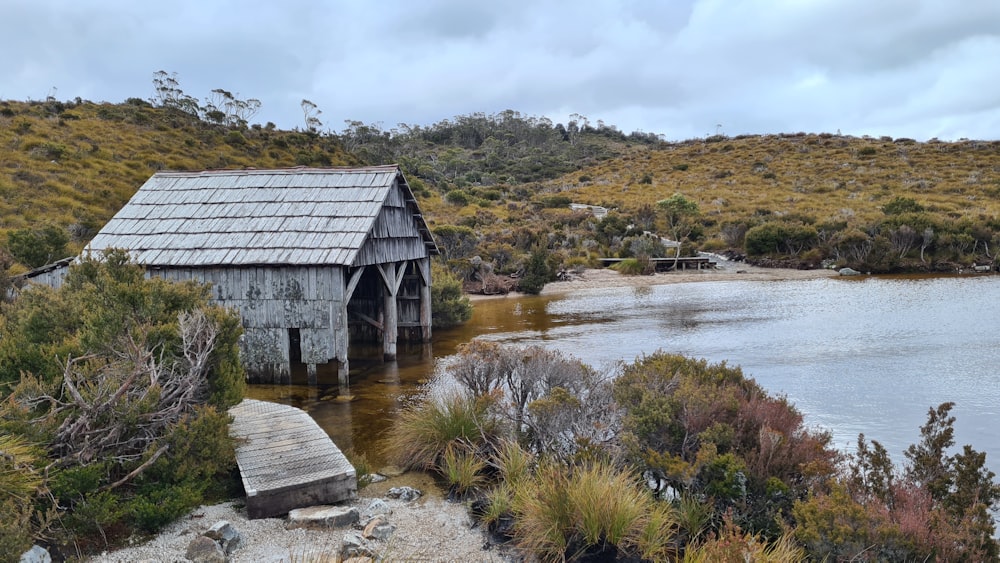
(424, 265)
(311, 373)
(390, 327)
(343, 332)
(343, 372)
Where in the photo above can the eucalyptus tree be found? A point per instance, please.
(680, 214)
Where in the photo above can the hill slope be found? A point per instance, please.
(498, 186)
(73, 165)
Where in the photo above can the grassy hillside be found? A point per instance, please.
(498, 186)
(823, 176)
(72, 165)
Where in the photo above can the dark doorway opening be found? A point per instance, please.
(294, 346)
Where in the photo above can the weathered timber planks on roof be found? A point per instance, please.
(295, 216)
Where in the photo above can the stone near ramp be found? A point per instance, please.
(323, 517)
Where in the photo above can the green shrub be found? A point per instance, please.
(536, 272)
(457, 197)
(108, 355)
(554, 201)
(779, 238)
(38, 247)
(235, 138)
(900, 205)
(633, 266)
(156, 505)
(449, 306)
(678, 414)
(644, 246)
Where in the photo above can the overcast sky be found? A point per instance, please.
(680, 68)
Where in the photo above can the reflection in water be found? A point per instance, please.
(865, 355)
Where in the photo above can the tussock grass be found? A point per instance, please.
(499, 503)
(514, 463)
(79, 162)
(692, 516)
(566, 513)
(461, 468)
(815, 175)
(362, 467)
(424, 434)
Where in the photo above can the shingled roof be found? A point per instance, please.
(297, 216)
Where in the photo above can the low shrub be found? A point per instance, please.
(633, 267)
(457, 198)
(123, 383)
(731, 543)
(449, 306)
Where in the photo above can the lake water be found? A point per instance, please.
(855, 355)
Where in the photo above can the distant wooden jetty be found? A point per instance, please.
(667, 264)
(286, 460)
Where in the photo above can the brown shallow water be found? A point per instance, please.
(357, 417)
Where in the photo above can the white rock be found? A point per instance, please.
(323, 517)
(226, 535)
(37, 554)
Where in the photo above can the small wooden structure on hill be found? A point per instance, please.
(668, 264)
(309, 257)
(286, 460)
(50, 274)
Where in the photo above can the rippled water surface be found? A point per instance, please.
(855, 355)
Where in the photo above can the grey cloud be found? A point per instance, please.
(918, 68)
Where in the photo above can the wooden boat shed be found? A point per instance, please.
(310, 257)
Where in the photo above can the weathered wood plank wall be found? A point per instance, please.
(271, 300)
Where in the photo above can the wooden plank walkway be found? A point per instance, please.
(667, 264)
(286, 460)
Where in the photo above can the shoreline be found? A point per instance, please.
(598, 278)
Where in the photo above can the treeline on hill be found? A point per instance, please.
(675, 459)
(483, 151)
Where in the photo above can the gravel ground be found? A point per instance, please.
(427, 529)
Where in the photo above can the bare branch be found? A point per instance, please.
(132, 474)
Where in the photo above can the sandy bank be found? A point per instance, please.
(602, 277)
